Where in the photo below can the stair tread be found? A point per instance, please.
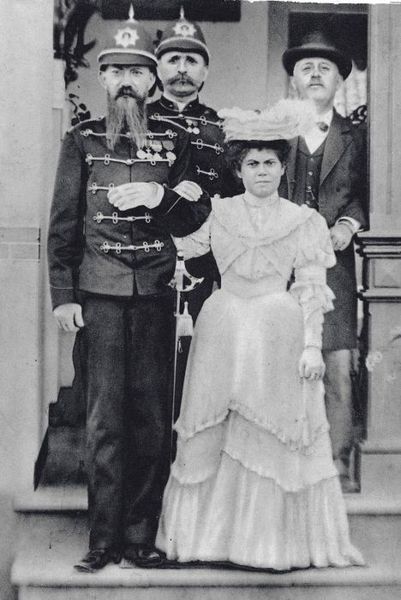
(62, 498)
(52, 498)
(49, 545)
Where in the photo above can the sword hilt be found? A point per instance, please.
(180, 274)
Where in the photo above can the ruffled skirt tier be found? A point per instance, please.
(243, 518)
(253, 482)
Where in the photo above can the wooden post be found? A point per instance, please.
(381, 252)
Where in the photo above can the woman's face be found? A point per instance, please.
(261, 172)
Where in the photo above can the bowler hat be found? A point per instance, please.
(315, 44)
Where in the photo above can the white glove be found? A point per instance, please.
(189, 190)
(132, 195)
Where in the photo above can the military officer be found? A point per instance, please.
(326, 170)
(111, 258)
(183, 63)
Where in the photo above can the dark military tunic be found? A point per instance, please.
(118, 265)
(92, 245)
(206, 138)
(208, 170)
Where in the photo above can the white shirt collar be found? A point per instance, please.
(325, 117)
(315, 136)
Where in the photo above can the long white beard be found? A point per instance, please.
(126, 114)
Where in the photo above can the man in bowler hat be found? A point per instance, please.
(326, 170)
(120, 194)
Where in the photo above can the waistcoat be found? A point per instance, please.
(307, 176)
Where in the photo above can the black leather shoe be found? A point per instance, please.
(96, 559)
(145, 557)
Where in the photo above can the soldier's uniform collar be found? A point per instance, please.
(169, 104)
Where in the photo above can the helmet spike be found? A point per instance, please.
(131, 14)
(183, 35)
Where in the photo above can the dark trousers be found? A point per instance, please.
(339, 405)
(128, 345)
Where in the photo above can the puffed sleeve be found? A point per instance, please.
(314, 256)
(195, 244)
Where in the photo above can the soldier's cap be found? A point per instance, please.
(128, 43)
(183, 36)
(316, 45)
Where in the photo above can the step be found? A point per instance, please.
(62, 456)
(380, 466)
(58, 498)
(66, 498)
(50, 542)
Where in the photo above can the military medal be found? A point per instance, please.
(156, 145)
(192, 126)
(170, 157)
(168, 144)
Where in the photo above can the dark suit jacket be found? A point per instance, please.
(342, 193)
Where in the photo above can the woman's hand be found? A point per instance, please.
(311, 365)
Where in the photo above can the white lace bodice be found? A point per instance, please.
(258, 246)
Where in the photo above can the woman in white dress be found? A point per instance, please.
(254, 483)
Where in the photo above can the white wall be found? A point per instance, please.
(25, 158)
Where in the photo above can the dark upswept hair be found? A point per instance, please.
(236, 151)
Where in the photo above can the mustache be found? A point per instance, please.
(126, 90)
(181, 79)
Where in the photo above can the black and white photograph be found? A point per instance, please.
(200, 265)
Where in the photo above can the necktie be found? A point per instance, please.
(322, 126)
